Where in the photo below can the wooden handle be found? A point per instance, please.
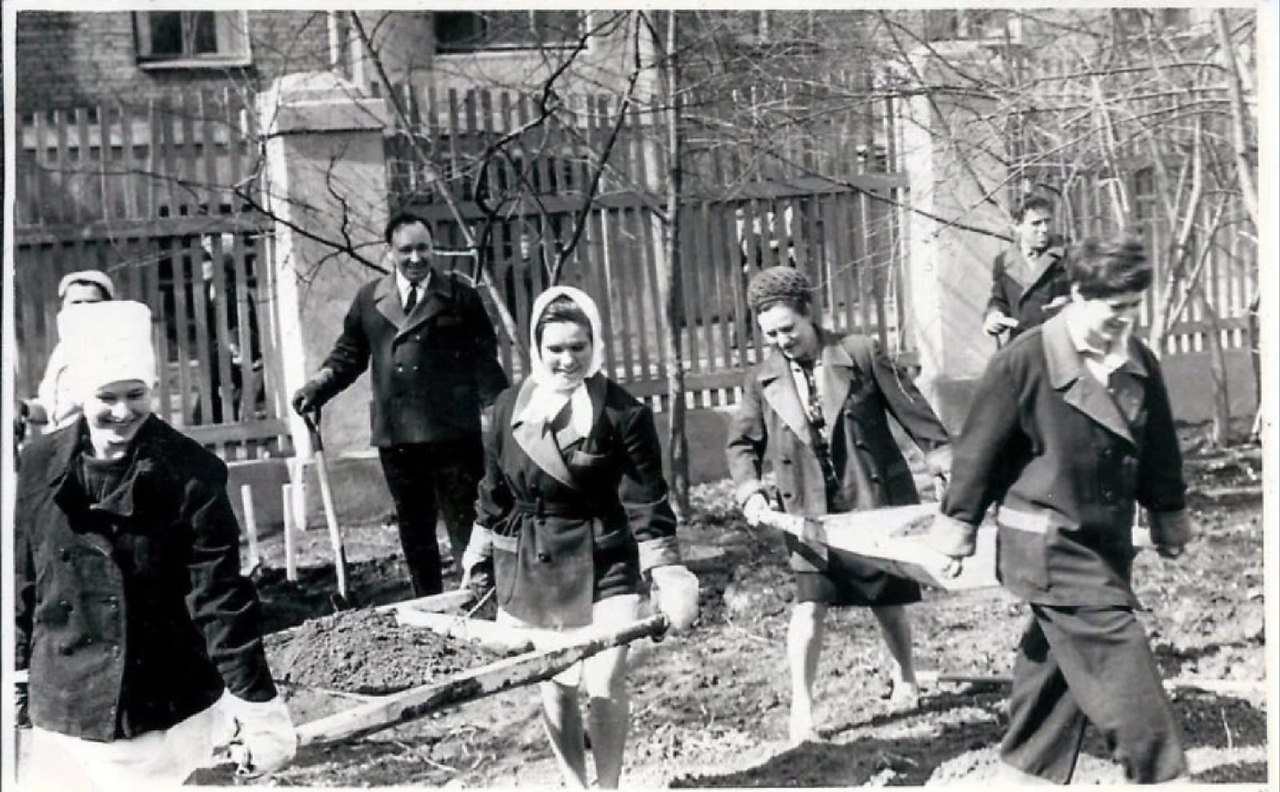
(331, 521)
(496, 677)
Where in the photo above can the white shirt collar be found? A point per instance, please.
(403, 284)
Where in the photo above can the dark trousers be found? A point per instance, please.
(424, 477)
(1089, 664)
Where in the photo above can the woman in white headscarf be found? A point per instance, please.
(142, 639)
(573, 521)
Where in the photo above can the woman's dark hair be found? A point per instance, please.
(561, 309)
(1104, 268)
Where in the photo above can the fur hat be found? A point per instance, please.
(778, 283)
(107, 342)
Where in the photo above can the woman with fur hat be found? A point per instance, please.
(574, 522)
(132, 616)
(817, 408)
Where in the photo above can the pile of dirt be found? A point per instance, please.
(368, 652)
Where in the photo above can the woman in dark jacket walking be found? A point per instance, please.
(818, 407)
(574, 518)
(1071, 428)
(132, 615)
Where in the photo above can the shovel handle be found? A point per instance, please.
(313, 428)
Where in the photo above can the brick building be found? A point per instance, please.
(70, 59)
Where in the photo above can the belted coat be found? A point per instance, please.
(574, 519)
(1066, 458)
(131, 613)
(1024, 288)
(433, 369)
(860, 389)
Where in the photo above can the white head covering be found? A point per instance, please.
(107, 342)
(549, 398)
(96, 277)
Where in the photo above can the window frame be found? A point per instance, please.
(241, 56)
(483, 47)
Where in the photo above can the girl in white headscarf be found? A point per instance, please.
(573, 521)
(142, 639)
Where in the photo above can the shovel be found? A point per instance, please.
(338, 599)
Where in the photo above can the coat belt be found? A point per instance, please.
(568, 510)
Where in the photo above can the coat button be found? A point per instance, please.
(65, 554)
(875, 478)
(64, 649)
(544, 557)
(787, 495)
(786, 461)
(66, 606)
(860, 444)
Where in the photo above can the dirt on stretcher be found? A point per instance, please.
(367, 652)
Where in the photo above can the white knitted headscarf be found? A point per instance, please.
(107, 342)
(550, 396)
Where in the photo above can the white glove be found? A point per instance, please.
(756, 507)
(677, 595)
(264, 738)
(479, 549)
(996, 323)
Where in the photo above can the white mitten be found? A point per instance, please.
(755, 509)
(265, 739)
(677, 595)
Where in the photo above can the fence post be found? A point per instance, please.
(949, 153)
(325, 186)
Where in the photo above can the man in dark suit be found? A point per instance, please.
(1028, 281)
(434, 366)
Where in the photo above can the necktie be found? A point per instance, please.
(412, 299)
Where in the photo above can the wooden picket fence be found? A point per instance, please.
(740, 214)
(149, 195)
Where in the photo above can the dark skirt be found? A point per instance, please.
(849, 581)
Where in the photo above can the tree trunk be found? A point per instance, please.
(678, 444)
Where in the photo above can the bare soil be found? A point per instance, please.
(709, 707)
(366, 651)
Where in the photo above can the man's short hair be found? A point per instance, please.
(1104, 268)
(1029, 202)
(403, 219)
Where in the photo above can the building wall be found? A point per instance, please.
(68, 59)
(82, 58)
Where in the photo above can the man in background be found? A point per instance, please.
(1028, 281)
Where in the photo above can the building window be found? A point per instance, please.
(970, 24)
(191, 38)
(473, 31)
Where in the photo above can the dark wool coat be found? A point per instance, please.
(1023, 289)
(572, 528)
(433, 370)
(131, 611)
(1066, 457)
(861, 389)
